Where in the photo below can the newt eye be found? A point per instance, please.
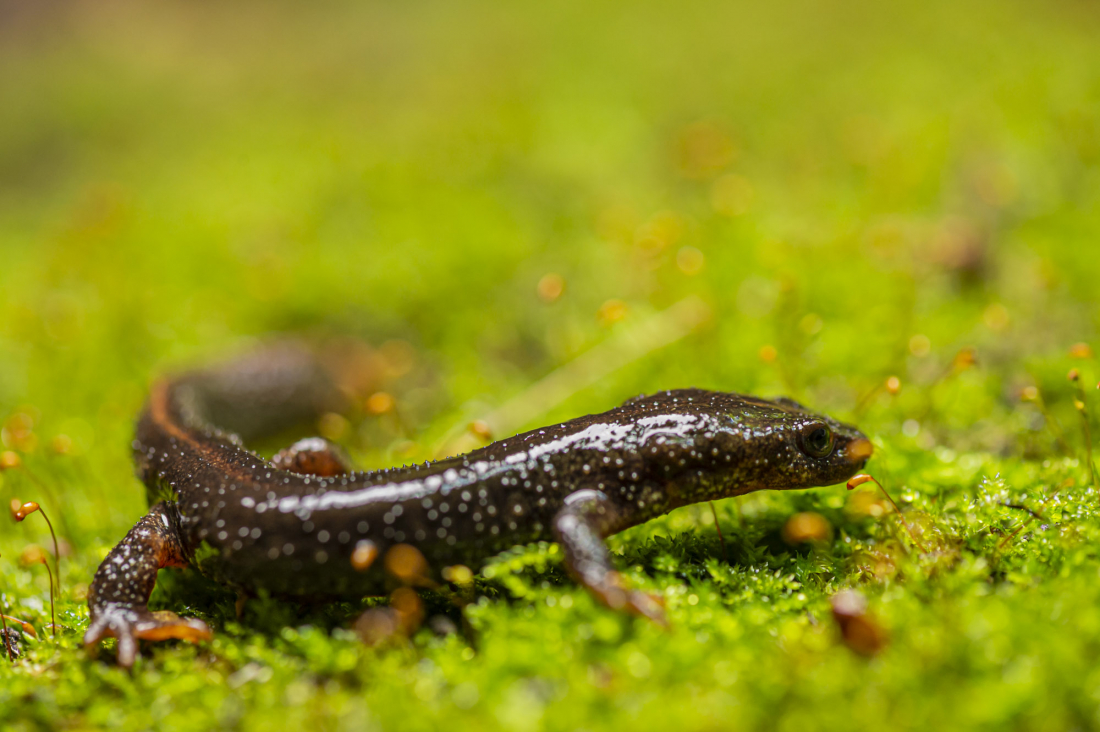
(816, 440)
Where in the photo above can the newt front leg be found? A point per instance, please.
(580, 526)
(118, 599)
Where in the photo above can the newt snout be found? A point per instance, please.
(860, 451)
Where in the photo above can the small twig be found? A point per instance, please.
(4, 623)
(891, 384)
(1020, 507)
(721, 539)
(56, 550)
(35, 554)
(27, 627)
(1034, 514)
(864, 478)
(20, 511)
(53, 616)
(9, 460)
(965, 359)
(1032, 394)
(864, 400)
(1079, 403)
(52, 499)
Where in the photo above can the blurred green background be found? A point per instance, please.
(825, 195)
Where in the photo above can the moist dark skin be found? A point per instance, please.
(305, 526)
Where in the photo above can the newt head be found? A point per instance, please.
(729, 444)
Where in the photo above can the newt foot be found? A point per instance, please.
(616, 596)
(649, 606)
(129, 625)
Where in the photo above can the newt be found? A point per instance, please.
(305, 525)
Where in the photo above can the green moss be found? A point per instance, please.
(858, 190)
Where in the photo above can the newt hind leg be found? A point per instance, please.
(118, 598)
(313, 456)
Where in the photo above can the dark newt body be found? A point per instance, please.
(249, 524)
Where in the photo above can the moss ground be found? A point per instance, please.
(844, 192)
